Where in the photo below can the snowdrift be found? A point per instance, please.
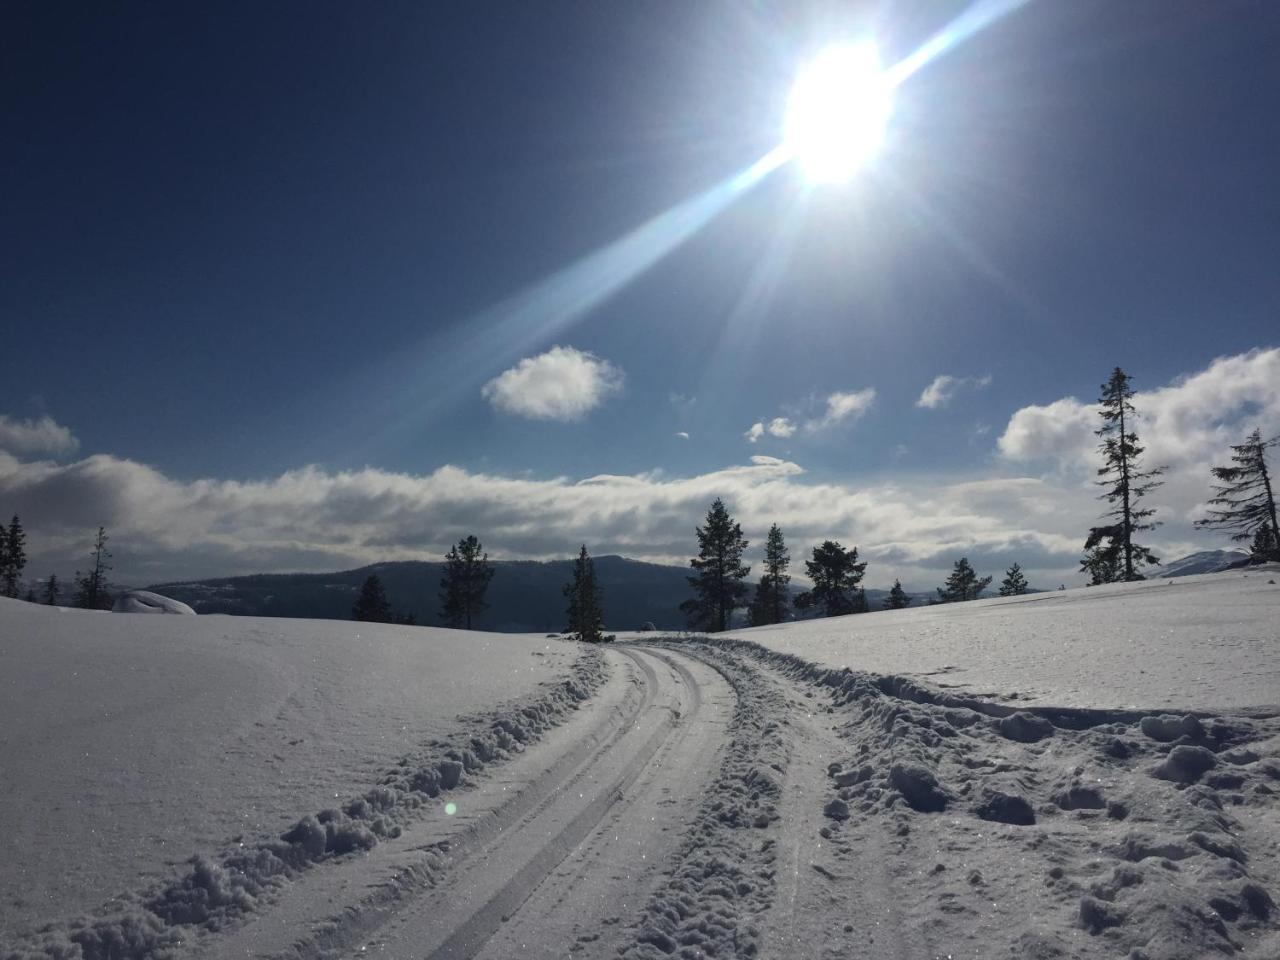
(144, 601)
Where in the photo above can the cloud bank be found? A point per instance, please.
(562, 384)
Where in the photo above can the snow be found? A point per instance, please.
(144, 601)
(1209, 642)
(128, 744)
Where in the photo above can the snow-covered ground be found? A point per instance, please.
(128, 743)
(870, 786)
(1209, 642)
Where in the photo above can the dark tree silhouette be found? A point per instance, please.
(14, 558)
(1265, 546)
(467, 573)
(963, 584)
(585, 612)
(1245, 502)
(1125, 481)
(92, 589)
(51, 589)
(771, 599)
(1102, 564)
(835, 573)
(719, 572)
(1014, 583)
(897, 598)
(372, 605)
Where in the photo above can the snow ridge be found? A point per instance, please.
(1075, 832)
(219, 891)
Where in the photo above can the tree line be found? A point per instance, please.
(91, 590)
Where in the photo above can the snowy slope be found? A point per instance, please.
(1207, 642)
(129, 743)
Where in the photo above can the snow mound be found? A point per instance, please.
(144, 601)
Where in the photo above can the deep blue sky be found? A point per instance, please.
(239, 238)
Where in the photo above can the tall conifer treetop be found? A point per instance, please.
(772, 598)
(585, 611)
(467, 573)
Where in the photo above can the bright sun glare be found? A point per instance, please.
(837, 112)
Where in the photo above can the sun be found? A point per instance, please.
(837, 112)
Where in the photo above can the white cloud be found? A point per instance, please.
(843, 408)
(755, 431)
(781, 427)
(44, 435)
(683, 435)
(1187, 424)
(944, 387)
(562, 384)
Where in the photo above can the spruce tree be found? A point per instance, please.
(585, 612)
(467, 573)
(1265, 545)
(92, 589)
(963, 584)
(1125, 481)
(1014, 583)
(1102, 564)
(1245, 501)
(772, 599)
(835, 573)
(897, 598)
(719, 572)
(372, 605)
(51, 590)
(15, 558)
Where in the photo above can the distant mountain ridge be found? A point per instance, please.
(1205, 561)
(525, 596)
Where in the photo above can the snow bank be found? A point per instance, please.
(1209, 642)
(144, 601)
(247, 749)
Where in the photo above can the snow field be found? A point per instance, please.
(1209, 642)
(109, 705)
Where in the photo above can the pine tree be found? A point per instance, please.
(1245, 501)
(719, 572)
(1102, 563)
(1014, 583)
(467, 573)
(1265, 545)
(15, 558)
(897, 598)
(963, 584)
(585, 613)
(835, 573)
(51, 590)
(1125, 481)
(772, 599)
(372, 605)
(92, 589)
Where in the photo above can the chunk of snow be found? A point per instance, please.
(144, 601)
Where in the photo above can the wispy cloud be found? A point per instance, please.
(777, 427)
(944, 387)
(562, 384)
(843, 407)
